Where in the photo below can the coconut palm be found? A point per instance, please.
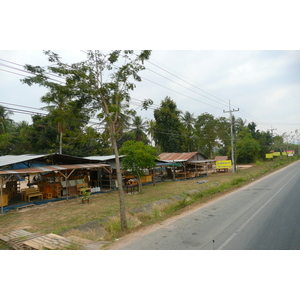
(139, 127)
(4, 119)
(150, 131)
(188, 121)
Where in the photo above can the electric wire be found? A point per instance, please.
(243, 112)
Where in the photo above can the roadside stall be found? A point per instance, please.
(183, 166)
(48, 182)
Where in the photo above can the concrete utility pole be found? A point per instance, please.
(232, 138)
(272, 129)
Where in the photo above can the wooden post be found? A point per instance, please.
(1, 182)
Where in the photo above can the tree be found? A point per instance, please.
(5, 121)
(223, 130)
(247, 148)
(138, 157)
(86, 142)
(188, 121)
(168, 128)
(139, 128)
(101, 85)
(206, 133)
(59, 98)
(20, 134)
(41, 135)
(150, 131)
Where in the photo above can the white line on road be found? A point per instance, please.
(241, 228)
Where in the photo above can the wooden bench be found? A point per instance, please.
(81, 187)
(30, 193)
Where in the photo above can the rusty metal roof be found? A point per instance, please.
(217, 158)
(51, 169)
(177, 156)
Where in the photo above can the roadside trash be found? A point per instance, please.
(202, 181)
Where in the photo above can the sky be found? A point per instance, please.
(262, 86)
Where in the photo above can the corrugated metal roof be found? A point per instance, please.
(177, 156)
(51, 169)
(102, 158)
(7, 160)
(221, 158)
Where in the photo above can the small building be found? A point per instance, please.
(182, 166)
(34, 178)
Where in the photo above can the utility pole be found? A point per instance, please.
(232, 138)
(272, 129)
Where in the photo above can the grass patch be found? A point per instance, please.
(89, 234)
(4, 246)
(113, 226)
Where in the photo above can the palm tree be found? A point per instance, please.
(150, 131)
(57, 107)
(4, 119)
(188, 121)
(139, 129)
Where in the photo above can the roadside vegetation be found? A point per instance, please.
(66, 215)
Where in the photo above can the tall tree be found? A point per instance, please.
(5, 120)
(223, 130)
(150, 131)
(188, 121)
(139, 129)
(247, 148)
(101, 84)
(168, 128)
(206, 133)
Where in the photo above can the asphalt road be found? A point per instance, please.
(262, 215)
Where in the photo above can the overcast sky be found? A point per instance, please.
(264, 85)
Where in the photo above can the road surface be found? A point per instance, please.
(262, 215)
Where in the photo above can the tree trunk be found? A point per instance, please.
(140, 183)
(120, 185)
(60, 143)
(60, 131)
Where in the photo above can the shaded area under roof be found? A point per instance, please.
(55, 158)
(45, 169)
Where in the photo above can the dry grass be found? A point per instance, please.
(89, 234)
(62, 215)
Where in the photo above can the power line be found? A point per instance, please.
(244, 112)
(180, 93)
(186, 82)
(51, 74)
(183, 85)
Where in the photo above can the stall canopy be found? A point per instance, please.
(46, 169)
(33, 160)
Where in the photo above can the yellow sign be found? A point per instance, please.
(289, 152)
(269, 155)
(223, 164)
(276, 153)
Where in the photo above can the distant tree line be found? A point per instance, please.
(170, 131)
